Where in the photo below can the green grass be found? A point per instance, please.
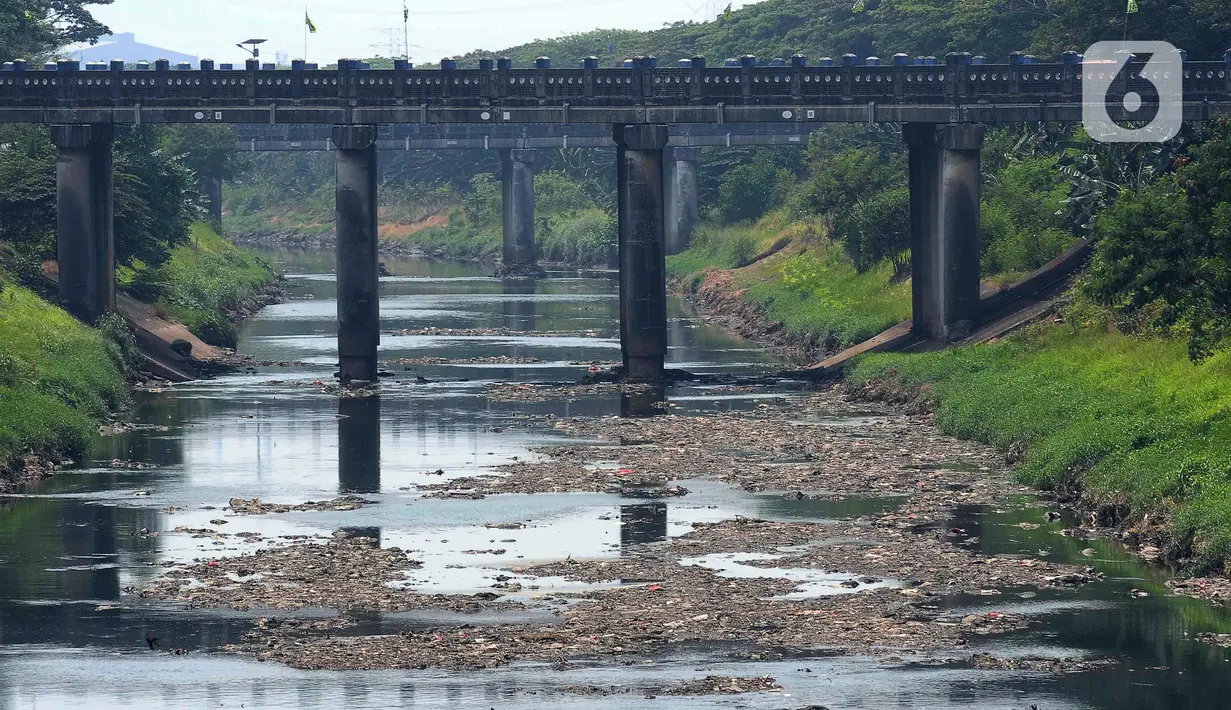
(720, 248)
(204, 280)
(1130, 422)
(820, 293)
(57, 378)
(458, 239)
(814, 291)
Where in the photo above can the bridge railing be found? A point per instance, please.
(958, 80)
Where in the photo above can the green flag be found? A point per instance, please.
(1132, 7)
(311, 27)
(859, 5)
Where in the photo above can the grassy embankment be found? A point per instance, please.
(1130, 422)
(205, 284)
(807, 285)
(58, 378)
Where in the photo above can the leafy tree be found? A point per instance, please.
(32, 29)
(1023, 225)
(1164, 254)
(155, 198)
(878, 229)
(484, 203)
(1199, 26)
(206, 150)
(749, 191)
(28, 190)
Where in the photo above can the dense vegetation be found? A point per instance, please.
(204, 284)
(57, 377)
(1129, 421)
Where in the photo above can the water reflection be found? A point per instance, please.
(519, 304)
(643, 523)
(643, 403)
(359, 445)
(66, 558)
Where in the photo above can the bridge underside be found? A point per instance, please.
(656, 213)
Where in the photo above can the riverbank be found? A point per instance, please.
(58, 379)
(209, 285)
(782, 283)
(1125, 428)
(570, 229)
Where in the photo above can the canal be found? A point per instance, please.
(75, 549)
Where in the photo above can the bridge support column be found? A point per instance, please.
(683, 212)
(211, 189)
(358, 298)
(944, 227)
(517, 183)
(643, 270)
(85, 238)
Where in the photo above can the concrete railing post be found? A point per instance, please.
(683, 211)
(358, 297)
(643, 279)
(944, 223)
(85, 237)
(517, 186)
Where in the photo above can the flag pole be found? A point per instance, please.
(305, 33)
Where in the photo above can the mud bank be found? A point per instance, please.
(720, 304)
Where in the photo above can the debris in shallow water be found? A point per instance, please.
(136, 465)
(344, 573)
(257, 507)
(542, 392)
(709, 685)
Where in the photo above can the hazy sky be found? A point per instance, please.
(361, 28)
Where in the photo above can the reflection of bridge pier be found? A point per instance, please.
(643, 403)
(643, 523)
(519, 312)
(359, 445)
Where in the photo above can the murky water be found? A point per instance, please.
(70, 546)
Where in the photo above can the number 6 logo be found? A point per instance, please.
(1132, 92)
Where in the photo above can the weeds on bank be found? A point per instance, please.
(203, 281)
(812, 289)
(57, 378)
(1130, 421)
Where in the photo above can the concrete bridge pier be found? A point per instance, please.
(683, 211)
(210, 186)
(85, 237)
(517, 183)
(358, 297)
(643, 270)
(944, 227)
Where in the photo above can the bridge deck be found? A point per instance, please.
(959, 92)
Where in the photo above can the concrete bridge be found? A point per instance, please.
(518, 145)
(944, 106)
